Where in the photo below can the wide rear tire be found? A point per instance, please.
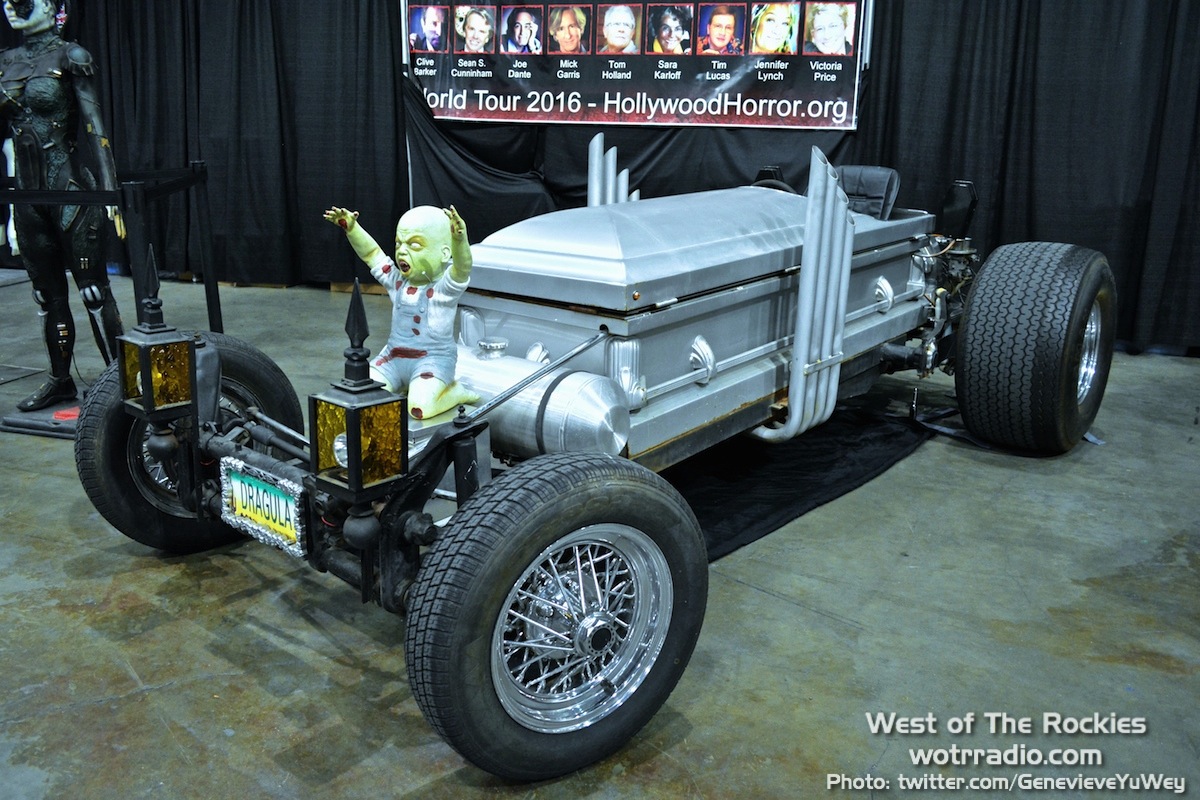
(1036, 346)
(135, 492)
(556, 613)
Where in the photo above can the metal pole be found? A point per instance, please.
(212, 293)
(133, 207)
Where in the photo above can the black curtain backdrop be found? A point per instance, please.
(1078, 120)
(292, 107)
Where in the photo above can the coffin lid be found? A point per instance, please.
(660, 249)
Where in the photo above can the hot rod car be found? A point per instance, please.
(554, 609)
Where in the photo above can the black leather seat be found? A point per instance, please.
(872, 190)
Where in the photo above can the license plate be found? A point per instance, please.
(266, 506)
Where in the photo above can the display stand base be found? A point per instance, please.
(57, 421)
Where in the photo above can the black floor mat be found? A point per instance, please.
(743, 489)
(57, 421)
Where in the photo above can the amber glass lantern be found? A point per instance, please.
(157, 365)
(358, 430)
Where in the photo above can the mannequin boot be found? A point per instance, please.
(55, 390)
(58, 329)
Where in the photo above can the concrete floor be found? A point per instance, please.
(960, 582)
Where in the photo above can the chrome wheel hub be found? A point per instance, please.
(1090, 355)
(596, 635)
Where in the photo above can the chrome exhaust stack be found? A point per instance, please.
(820, 305)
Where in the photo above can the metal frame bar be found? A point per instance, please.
(136, 191)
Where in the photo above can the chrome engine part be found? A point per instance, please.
(564, 411)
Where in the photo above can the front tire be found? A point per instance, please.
(1036, 346)
(136, 493)
(556, 613)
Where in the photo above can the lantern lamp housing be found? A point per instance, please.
(157, 365)
(358, 431)
(374, 425)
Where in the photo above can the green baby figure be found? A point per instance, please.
(429, 273)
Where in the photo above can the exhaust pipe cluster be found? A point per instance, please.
(605, 184)
(820, 305)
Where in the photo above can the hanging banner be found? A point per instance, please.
(789, 65)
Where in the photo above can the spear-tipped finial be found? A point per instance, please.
(152, 315)
(358, 369)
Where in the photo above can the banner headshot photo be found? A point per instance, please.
(567, 28)
(829, 29)
(475, 29)
(619, 29)
(721, 30)
(774, 28)
(522, 30)
(428, 29)
(669, 30)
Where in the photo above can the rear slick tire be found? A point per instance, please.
(1036, 346)
(555, 614)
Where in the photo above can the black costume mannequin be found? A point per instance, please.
(46, 92)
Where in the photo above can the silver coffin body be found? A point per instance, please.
(698, 293)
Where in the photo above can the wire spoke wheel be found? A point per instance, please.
(555, 614)
(580, 628)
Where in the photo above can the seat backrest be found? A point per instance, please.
(872, 190)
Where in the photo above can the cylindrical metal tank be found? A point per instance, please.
(564, 411)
